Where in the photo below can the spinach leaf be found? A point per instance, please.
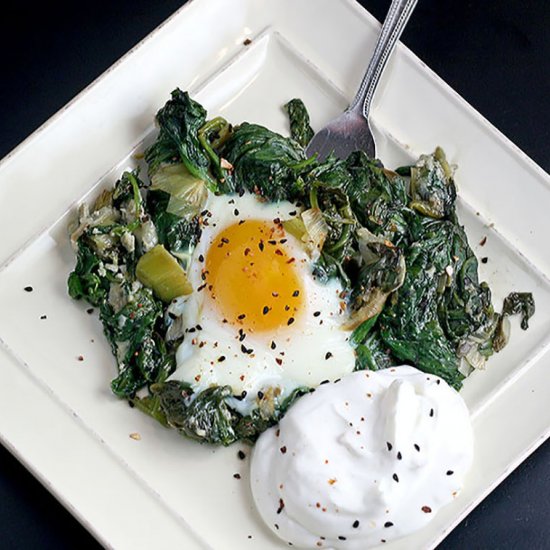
(300, 130)
(179, 123)
(520, 303)
(266, 163)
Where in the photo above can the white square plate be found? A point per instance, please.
(59, 416)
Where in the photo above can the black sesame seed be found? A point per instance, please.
(242, 336)
(296, 293)
(260, 394)
(283, 241)
(290, 321)
(450, 472)
(341, 538)
(382, 540)
(324, 382)
(276, 526)
(316, 314)
(236, 212)
(90, 310)
(388, 524)
(28, 289)
(265, 310)
(221, 358)
(281, 505)
(399, 455)
(261, 246)
(395, 478)
(272, 242)
(237, 476)
(484, 260)
(241, 455)
(198, 327)
(328, 355)
(417, 447)
(283, 449)
(241, 316)
(389, 445)
(355, 524)
(431, 412)
(43, 317)
(273, 345)
(201, 258)
(438, 382)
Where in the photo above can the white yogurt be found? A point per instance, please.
(363, 461)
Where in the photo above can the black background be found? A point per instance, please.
(495, 54)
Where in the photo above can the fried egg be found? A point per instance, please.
(258, 319)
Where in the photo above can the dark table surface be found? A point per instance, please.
(495, 54)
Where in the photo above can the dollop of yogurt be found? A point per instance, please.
(363, 461)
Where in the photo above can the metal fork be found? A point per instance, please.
(351, 131)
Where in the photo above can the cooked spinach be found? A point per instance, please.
(298, 117)
(409, 277)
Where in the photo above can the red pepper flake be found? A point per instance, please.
(241, 377)
(291, 260)
(242, 221)
(246, 251)
(426, 509)
(247, 42)
(80, 358)
(283, 449)
(278, 432)
(281, 505)
(332, 481)
(318, 505)
(197, 378)
(279, 361)
(279, 252)
(483, 241)
(237, 476)
(290, 321)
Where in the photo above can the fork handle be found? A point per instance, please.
(394, 24)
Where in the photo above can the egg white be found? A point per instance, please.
(315, 348)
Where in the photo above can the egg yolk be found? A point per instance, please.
(251, 277)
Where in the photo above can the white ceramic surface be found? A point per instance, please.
(59, 416)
